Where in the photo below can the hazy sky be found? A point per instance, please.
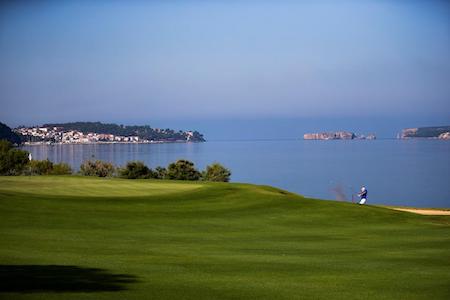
(176, 62)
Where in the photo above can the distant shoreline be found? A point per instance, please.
(235, 140)
(95, 143)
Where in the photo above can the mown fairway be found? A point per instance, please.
(91, 238)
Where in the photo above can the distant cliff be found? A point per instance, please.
(339, 135)
(441, 132)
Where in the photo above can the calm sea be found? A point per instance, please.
(395, 172)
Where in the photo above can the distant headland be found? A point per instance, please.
(97, 132)
(439, 132)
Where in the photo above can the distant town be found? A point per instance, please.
(96, 132)
(39, 135)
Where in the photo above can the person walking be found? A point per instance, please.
(362, 195)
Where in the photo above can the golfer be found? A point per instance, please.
(363, 195)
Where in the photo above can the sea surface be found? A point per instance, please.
(395, 172)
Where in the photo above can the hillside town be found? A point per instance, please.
(58, 135)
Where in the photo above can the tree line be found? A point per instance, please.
(179, 170)
(14, 161)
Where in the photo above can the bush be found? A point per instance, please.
(5, 146)
(61, 169)
(136, 170)
(216, 172)
(182, 170)
(40, 167)
(160, 173)
(97, 168)
(12, 161)
(46, 167)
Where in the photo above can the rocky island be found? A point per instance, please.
(440, 132)
(338, 135)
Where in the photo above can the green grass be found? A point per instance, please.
(89, 238)
(91, 187)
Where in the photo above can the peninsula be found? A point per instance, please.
(97, 132)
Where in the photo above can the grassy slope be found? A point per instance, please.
(209, 241)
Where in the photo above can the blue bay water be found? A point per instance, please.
(395, 172)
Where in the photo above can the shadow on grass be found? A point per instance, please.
(53, 278)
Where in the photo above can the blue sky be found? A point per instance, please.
(223, 65)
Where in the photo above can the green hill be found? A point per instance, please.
(7, 134)
(90, 238)
(144, 131)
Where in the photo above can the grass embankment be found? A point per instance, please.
(91, 238)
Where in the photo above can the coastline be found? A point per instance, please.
(94, 143)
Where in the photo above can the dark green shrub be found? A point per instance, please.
(97, 168)
(136, 170)
(182, 170)
(5, 146)
(61, 169)
(160, 173)
(12, 161)
(216, 172)
(40, 167)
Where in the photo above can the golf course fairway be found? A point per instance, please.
(73, 237)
